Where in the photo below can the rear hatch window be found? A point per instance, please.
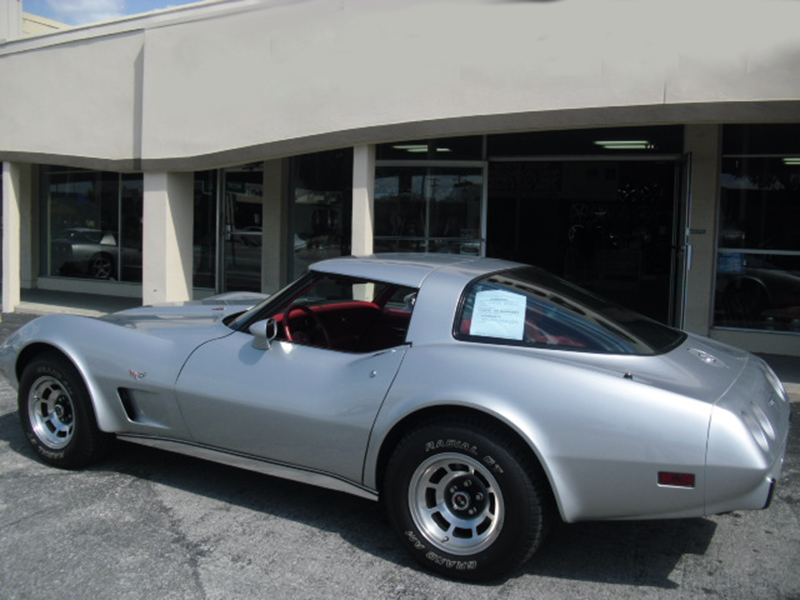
(527, 306)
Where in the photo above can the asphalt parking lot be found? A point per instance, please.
(148, 524)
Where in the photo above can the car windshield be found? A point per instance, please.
(241, 321)
(83, 235)
(526, 306)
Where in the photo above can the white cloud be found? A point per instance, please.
(79, 12)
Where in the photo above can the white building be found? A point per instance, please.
(648, 150)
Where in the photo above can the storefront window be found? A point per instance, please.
(205, 229)
(758, 261)
(242, 210)
(428, 209)
(130, 227)
(321, 190)
(93, 224)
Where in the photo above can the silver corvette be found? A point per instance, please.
(478, 399)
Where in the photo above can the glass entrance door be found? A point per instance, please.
(608, 226)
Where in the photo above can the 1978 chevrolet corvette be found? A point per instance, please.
(478, 399)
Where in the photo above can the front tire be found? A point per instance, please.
(465, 499)
(57, 415)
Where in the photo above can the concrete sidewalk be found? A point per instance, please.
(44, 302)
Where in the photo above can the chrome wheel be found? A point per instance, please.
(51, 412)
(465, 498)
(456, 504)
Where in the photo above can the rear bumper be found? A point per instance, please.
(771, 492)
(747, 441)
(751, 484)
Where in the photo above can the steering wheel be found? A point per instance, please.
(314, 317)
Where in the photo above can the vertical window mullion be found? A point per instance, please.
(119, 227)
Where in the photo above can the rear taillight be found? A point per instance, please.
(684, 480)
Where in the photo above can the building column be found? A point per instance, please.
(703, 143)
(16, 203)
(363, 200)
(168, 237)
(275, 217)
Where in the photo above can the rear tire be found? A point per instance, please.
(466, 501)
(57, 415)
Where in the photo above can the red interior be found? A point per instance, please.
(353, 326)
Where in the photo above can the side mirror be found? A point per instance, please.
(263, 333)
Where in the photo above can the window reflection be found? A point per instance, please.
(322, 199)
(760, 202)
(205, 229)
(428, 209)
(93, 224)
(130, 227)
(529, 307)
(758, 291)
(242, 207)
(758, 263)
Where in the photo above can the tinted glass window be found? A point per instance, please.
(428, 209)
(321, 192)
(760, 139)
(530, 307)
(337, 313)
(758, 254)
(91, 224)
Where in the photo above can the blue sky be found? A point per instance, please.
(83, 12)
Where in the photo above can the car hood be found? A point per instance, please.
(158, 338)
(194, 315)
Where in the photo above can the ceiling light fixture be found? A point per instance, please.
(625, 144)
(412, 147)
(418, 148)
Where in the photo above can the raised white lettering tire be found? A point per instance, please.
(57, 415)
(465, 499)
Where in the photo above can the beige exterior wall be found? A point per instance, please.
(232, 82)
(83, 101)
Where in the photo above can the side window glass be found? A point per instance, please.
(346, 314)
(402, 299)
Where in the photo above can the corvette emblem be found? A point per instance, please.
(707, 358)
(136, 374)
